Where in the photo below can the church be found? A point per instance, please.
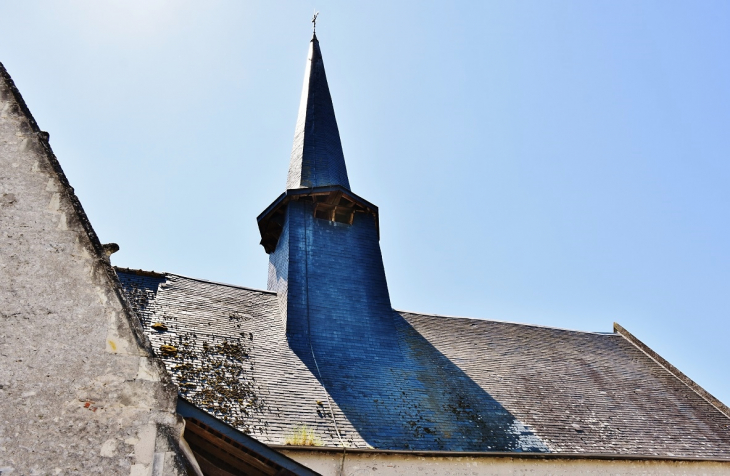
(125, 371)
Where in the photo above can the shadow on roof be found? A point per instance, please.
(400, 392)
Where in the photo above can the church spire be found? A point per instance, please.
(316, 159)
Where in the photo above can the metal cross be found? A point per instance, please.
(314, 22)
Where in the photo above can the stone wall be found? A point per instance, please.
(80, 392)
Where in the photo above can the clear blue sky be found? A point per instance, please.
(557, 163)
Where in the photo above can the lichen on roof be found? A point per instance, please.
(532, 388)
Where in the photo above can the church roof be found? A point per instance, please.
(541, 389)
(317, 159)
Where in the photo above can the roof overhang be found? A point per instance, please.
(217, 445)
(334, 203)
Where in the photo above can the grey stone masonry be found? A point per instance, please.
(80, 390)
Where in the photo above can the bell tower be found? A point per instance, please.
(325, 265)
(322, 239)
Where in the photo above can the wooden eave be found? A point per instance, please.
(334, 203)
(221, 450)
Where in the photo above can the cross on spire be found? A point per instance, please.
(314, 22)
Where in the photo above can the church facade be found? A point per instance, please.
(318, 373)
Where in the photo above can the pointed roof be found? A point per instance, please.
(316, 158)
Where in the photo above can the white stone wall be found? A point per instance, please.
(79, 391)
(382, 464)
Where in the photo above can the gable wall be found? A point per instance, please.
(79, 390)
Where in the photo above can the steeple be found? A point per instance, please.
(316, 158)
(322, 239)
(326, 268)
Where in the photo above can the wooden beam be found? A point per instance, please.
(231, 463)
(334, 198)
(209, 468)
(225, 450)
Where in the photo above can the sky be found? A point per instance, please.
(560, 163)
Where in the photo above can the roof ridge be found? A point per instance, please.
(165, 274)
(542, 326)
(237, 286)
(140, 272)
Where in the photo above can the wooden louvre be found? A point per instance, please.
(333, 204)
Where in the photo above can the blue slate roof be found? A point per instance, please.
(452, 384)
(316, 159)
